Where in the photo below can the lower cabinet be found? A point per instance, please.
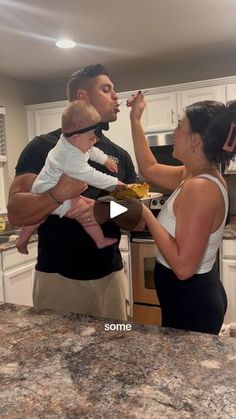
(18, 284)
(146, 314)
(17, 272)
(1, 283)
(228, 277)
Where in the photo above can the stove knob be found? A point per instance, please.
(154, 202)
(162, 201)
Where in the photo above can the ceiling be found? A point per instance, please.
(116, 33)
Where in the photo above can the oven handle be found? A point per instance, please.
(142, 240)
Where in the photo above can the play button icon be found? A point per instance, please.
(116, 209)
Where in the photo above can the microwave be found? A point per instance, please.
(161, 145)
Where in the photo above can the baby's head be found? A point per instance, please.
(80, 116)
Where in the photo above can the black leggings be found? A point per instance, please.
(198, 303)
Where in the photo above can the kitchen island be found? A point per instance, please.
(55, 365)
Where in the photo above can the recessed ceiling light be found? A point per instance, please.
(65, 43)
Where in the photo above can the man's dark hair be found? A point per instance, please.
(80, 79)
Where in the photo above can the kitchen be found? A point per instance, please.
(170, 79)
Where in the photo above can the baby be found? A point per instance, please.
(80, 124)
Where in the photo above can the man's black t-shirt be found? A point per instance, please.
(64, 246)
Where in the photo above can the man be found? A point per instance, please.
(72, 274)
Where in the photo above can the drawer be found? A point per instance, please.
(146, 314)
(229, 249)
(12, 258)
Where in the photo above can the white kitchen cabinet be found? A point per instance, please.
(228, 277)
(187, 97)
(164, 109)
(17, 272)
(231, 168)
(230, 92)
(18, 284)
(2, 190)
(231, 95)
(44, 117)
(3, 159)
(1, 283)
(161, 112)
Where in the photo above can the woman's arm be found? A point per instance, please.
(26, 208)
(165, 176)
(195, 211)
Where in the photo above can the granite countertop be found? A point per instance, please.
(230, 229)
(12, 244)
(56, 365)
(229, 233)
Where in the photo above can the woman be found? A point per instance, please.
(189, 228)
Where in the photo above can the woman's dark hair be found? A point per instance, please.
(212, 120)
(80, 79)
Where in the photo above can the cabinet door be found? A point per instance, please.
(231, 168)
(18, 284)
(12, 258)
(231, 92)
(120, 131)
(2, 190)
(44, 118)
(161, 112)
(1, 283)
(187, 97)
(229, 282)
(231, 95)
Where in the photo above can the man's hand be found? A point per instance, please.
(68, 188)
(84, 214)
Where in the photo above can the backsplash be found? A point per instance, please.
(231, 182)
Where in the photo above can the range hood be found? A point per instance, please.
(158, 139)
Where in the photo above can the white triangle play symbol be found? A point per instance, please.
(116, 209)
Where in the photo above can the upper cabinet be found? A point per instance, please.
(44, 117)
(231, 95)
(161, 112)
(3, 159)
(164, 109)
(187, 97)
(230, 92)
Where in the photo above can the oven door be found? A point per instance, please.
(146, 307)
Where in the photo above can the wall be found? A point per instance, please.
(135, 76)
(14, 94)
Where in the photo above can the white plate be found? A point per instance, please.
(109, 198)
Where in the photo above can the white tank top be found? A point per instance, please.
(167, 219)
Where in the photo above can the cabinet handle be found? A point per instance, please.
(172, 116)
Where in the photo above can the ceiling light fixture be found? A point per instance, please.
(65, 43)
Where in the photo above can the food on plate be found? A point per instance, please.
(132, 190)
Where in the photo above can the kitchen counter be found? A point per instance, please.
(229, 233)
(56, 365)
(230, 229)
(12, 244)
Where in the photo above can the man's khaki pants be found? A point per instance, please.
(104, 297)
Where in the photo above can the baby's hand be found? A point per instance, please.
(111, 165)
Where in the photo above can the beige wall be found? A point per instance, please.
(14, 94)
(132, 77)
